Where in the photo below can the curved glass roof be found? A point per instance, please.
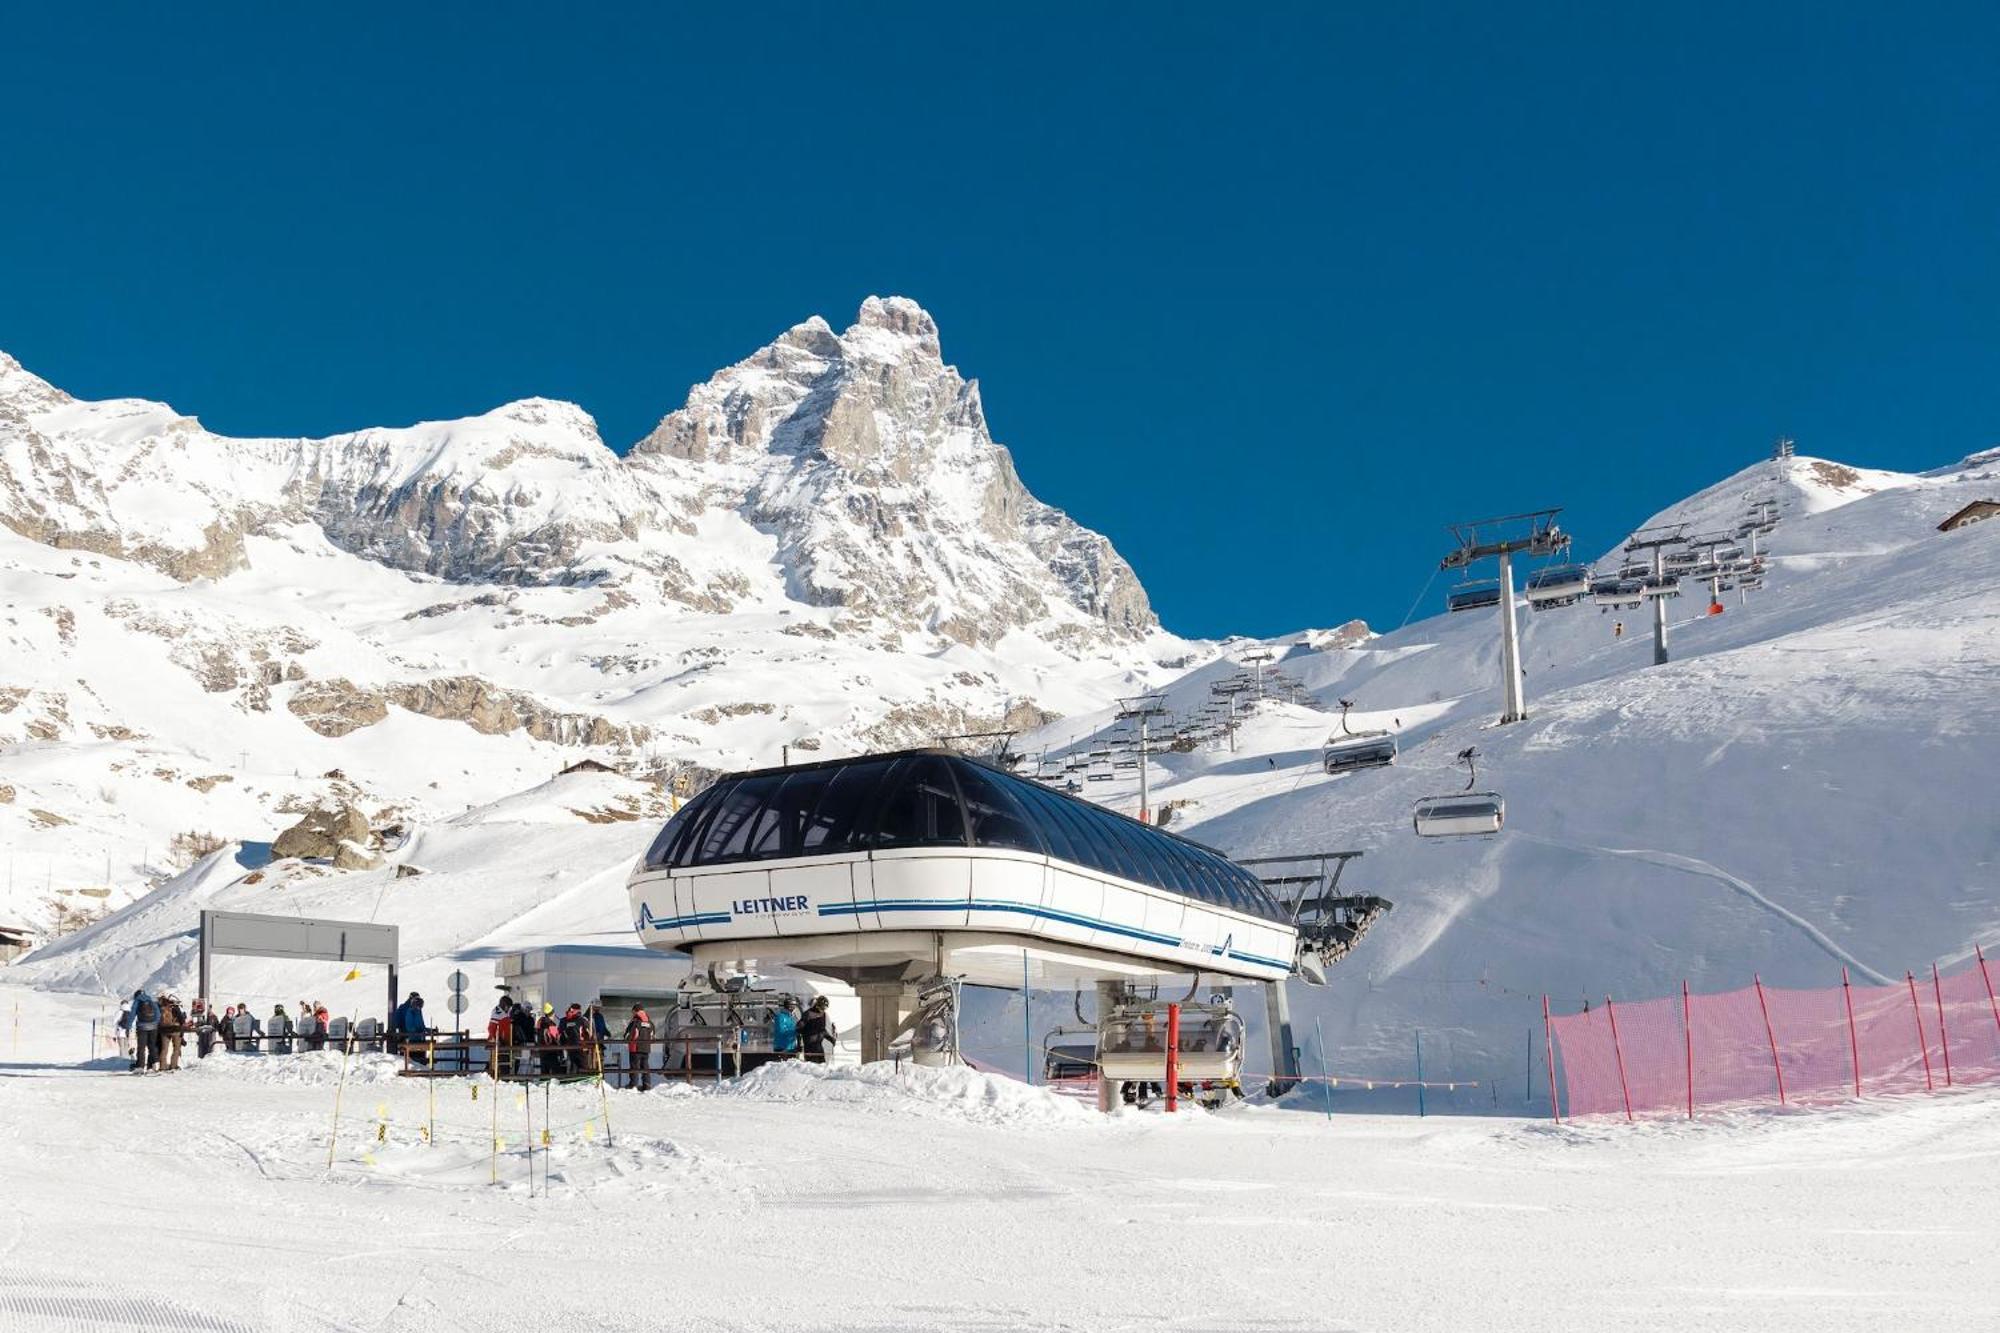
(934, 799)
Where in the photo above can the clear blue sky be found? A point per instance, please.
(1266, 296)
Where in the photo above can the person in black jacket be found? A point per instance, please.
(524, 1039)
(815, 1031)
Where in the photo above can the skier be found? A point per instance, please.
(248, 1030)
(173, 1023)
(146, 1031)
(321, 1026)
(548, 1036)
(308, 1028)
(204, 1029)
(638, 1047)
(600, 1034)
(1617, 629)
(228, 1029)
(406, 1025)
(524, 1038)
(500, 1036)
(281, 1030)
(570, 1032)
(816, 1030)
(785, 1029)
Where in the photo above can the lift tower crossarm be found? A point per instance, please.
(1532, 533)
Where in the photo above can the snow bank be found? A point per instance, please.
(911, 1090)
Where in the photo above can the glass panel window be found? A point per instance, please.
(844, 806)
(922, 808)
(1044, 808)
(996, 818)
(738, 818)
(782, 829)
(698, 813)
(1137, 845)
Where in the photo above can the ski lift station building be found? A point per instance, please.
(885, 870)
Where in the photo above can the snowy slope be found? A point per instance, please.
(1806, 785)
(950, 1200)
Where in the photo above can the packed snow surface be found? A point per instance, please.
(876, 1199)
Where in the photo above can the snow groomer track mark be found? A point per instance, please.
(40, 1303)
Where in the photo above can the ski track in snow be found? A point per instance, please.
(1694, 865)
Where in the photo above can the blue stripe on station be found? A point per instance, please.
(1025, 909)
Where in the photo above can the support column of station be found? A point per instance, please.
(1109, 1094)
(1284, 1051)
(884, 1006)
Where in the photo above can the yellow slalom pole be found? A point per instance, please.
(346, 1054)
(495, 1090)
(528, 1118)
(604, 1101)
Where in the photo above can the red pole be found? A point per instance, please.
(1549, 1059)
(1853, 1042)
(1771, 1036)
(1979, 952)
(1944, 1037)
(1687, 1031)
(1923, 1047)
(1173, 1057)
(1619, 1051)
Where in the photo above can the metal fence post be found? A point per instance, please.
(1687, 1037)
(1173, 1058)
(1944, 1037)
(1549, 1059)
(1853, 1041)
(1988, 978)
(1771, 1035)
(1420, 1073)
(1923, 1046)
(1619, 1051)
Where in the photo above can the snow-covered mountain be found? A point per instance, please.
(822, 549)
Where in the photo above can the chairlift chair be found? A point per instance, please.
(1615, 590)
(1558, 585)
(1660, 585)
(1476, 596)
(1352, 751)
(1462, 814)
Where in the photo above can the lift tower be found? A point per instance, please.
(1143, 709)
(1657, 540)
(1533, 533)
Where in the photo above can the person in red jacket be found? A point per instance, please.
(638, 1049)
(500, 1038)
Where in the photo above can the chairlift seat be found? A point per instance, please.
(1472, 597)
(1365, 749)
(1465, 814)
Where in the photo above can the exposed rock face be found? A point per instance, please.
(487, 708)
(862, 456)
(324, 834)
(336, 707)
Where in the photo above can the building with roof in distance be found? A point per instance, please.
(1975, 512)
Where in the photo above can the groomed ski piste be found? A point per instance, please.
(1798, 791)
(882, 1199)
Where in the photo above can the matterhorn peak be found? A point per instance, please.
(900, 316)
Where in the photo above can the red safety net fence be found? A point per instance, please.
(1767, 1045)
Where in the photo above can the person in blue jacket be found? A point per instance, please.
(407, 1028)
(785, 1029)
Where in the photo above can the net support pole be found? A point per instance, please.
(1514, 707)
(1944, 1037)
(1770, 1035)
(1325, 1074)
(1853, 1041)
(1923, 1046)
(1420, 1073)
(1988, 977)
(1687, 1039)
(1173, 1058)
(1624, 1088)
(1549, 1059)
